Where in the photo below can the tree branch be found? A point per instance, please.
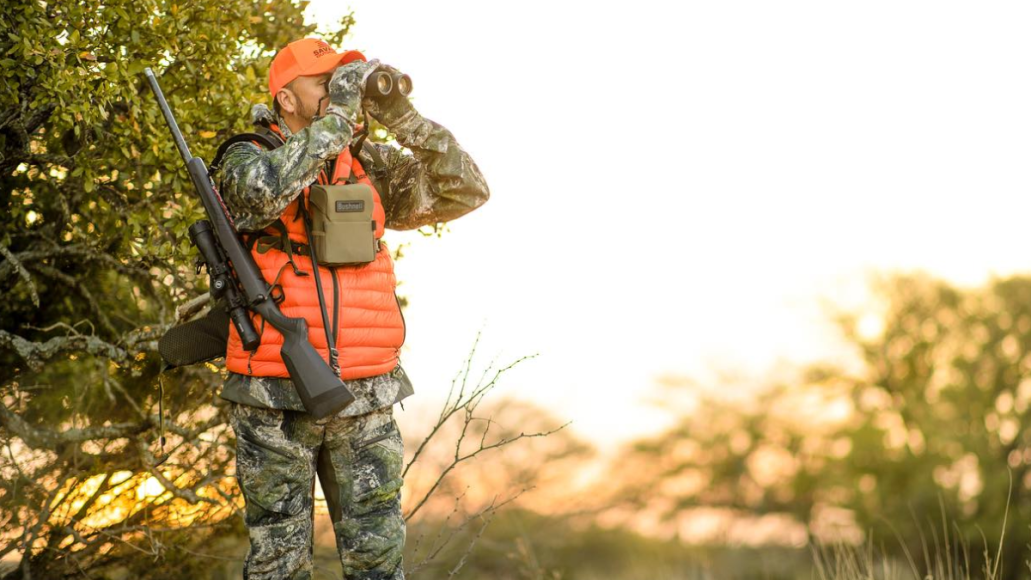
(36, 353)
(22, 273)
(51, 440)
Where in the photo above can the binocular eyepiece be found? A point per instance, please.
(382, 84)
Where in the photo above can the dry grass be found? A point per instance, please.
(946, 556)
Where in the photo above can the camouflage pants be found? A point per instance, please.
(358, 461)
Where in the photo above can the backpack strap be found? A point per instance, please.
(283, 243)
(269, 139)
(378, 172)
(264, 137)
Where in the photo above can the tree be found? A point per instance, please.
(94, 257)
(96, 264)
(935, 419)
(943, 409)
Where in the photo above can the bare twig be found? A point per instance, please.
(464, 398)
(438, 545)
(78, 286)
(461, 403)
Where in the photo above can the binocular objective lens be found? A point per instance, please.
(383, 84)
(404, 84)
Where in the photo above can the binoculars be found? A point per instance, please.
(382, 84)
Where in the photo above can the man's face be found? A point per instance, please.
(309, 96)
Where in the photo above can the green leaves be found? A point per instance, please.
(936, 409)
(99, 203)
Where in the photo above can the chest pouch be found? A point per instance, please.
(343, 230)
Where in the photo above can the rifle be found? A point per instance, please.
(240, 282)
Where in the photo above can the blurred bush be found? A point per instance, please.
(929, 426)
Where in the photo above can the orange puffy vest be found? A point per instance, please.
(360, 300)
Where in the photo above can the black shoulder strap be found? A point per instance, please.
(377, 173)
(268, 139)
(264, 137)
(372, 151)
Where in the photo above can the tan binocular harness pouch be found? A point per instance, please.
(343, 231)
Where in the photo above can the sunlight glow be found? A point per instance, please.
(151, 487)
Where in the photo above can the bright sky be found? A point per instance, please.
(676, 186)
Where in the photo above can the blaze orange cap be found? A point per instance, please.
(308, 56)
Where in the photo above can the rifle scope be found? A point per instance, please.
(202, 235)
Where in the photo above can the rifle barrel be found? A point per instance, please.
(167, 112)
(319, 386)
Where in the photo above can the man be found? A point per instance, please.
(357, 454)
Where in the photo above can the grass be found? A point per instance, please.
(945, 557)
(523, 545)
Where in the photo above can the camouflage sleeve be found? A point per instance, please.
(258, 185)
(437, 182)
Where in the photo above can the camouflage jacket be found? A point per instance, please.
(436, 182)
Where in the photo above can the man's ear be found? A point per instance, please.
(287, 100)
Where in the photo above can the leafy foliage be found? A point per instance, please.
(94, 259)
(937, 417)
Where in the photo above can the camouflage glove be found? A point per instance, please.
(391, 110)
(346, 89)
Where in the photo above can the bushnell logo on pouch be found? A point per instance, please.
(350, 205)
(343, 228)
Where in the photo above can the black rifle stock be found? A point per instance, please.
(320, 389)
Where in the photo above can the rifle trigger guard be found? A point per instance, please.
(276, 294)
